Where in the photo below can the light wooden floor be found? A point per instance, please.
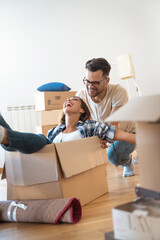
(96, 218)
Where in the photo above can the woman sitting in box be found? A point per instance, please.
(75, 124)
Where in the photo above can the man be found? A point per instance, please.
(102, 99)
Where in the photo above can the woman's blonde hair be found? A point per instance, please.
(84, 116)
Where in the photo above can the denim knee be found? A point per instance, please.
(112, 155)
(119, 152)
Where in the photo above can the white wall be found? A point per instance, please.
(50, 40)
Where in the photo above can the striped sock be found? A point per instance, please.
(1, 133)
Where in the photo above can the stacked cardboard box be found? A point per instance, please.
(50, 106)
(137, 221)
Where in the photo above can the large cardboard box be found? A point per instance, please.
(62, 170)
(51, 100)
(145, 111)
(138, 220)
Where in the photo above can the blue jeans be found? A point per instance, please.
(118, 153)
(23, 142)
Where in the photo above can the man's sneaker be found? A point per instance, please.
(135, 156)
(1, 133)
(135, 160)
(128, 171)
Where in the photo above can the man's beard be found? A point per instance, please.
(94, 92)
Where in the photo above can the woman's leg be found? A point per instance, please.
(25, 142)
(3, 122)
(22, 142)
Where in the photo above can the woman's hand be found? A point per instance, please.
(105, 144)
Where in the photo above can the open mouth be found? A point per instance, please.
(68, 104)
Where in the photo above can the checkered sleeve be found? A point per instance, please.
(102, 130)
(52, 133)
(105, 131)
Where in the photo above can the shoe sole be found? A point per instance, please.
(128, 175)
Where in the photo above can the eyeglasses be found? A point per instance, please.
(94, 83)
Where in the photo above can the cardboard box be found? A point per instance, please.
(137, 220)
(44, 129)
(51, 100)
(51, 117)
(109, 236)
(145, 111)
(62, 170)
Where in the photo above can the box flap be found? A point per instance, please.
(139, 109)
(80, 155)
(27, 169)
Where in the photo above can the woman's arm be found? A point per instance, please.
(108, 133)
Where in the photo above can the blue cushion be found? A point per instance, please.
(53, 86)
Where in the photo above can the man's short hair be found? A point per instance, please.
(96, 64)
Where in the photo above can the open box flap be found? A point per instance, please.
(139, 109)
(27, 169)
(80, 155)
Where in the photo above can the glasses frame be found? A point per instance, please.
(94, 83)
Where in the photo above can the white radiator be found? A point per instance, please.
(20, 118)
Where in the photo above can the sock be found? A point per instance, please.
(1, 133)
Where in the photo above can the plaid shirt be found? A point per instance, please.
(88, 128)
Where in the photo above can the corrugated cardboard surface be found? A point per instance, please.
(51, 117)
(145, 111)
(37, 191)
(51, 100)
(148, 147)
(74, 157)
(139, 109)
(80, 155)
(27, 169)
(42, 176)
(87, 185)
(137, 221)
(44, 129)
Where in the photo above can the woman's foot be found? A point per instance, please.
(1, 134)
(3, 122)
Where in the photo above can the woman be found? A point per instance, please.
(75, 124)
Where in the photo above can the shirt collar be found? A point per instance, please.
(63, 126)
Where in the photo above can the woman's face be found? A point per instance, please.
(72, 105)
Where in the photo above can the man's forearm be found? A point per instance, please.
(117, 124)
(124, 136)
